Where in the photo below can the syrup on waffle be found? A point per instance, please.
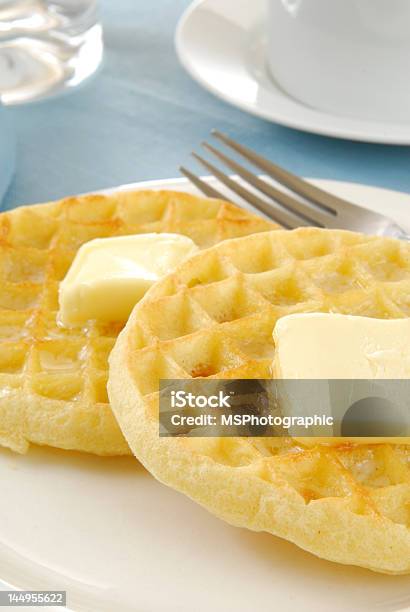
(53, 380)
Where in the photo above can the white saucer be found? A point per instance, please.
(115, 539)
(222, 43)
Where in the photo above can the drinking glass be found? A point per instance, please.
(46, 47)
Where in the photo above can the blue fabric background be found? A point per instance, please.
(7, 150)
(141, 116)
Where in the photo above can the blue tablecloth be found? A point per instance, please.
(7, 150)
(141, 116)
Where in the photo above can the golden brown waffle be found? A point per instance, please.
(214, 317)
(53, 380)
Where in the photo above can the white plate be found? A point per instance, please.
(222, 44)
(104, 530)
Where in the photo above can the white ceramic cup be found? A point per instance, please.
(348, 57)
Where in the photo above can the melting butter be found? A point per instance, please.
(335, 346)
(110, 275)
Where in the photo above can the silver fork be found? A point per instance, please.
(311, 206)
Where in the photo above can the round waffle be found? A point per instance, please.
(53, 380)
(214, 317)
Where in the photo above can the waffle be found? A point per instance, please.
(53, 380)
(214, 318)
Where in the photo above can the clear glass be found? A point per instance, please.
(46, 47)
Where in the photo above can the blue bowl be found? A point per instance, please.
(7, 149)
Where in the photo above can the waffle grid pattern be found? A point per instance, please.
(214, 318)
(39, 359)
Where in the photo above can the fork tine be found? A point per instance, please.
(202, 185)
(281, 216)
(314, 215)
(322, 198)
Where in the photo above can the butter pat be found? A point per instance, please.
(319, 345)
(333, 346)
(110, 275)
